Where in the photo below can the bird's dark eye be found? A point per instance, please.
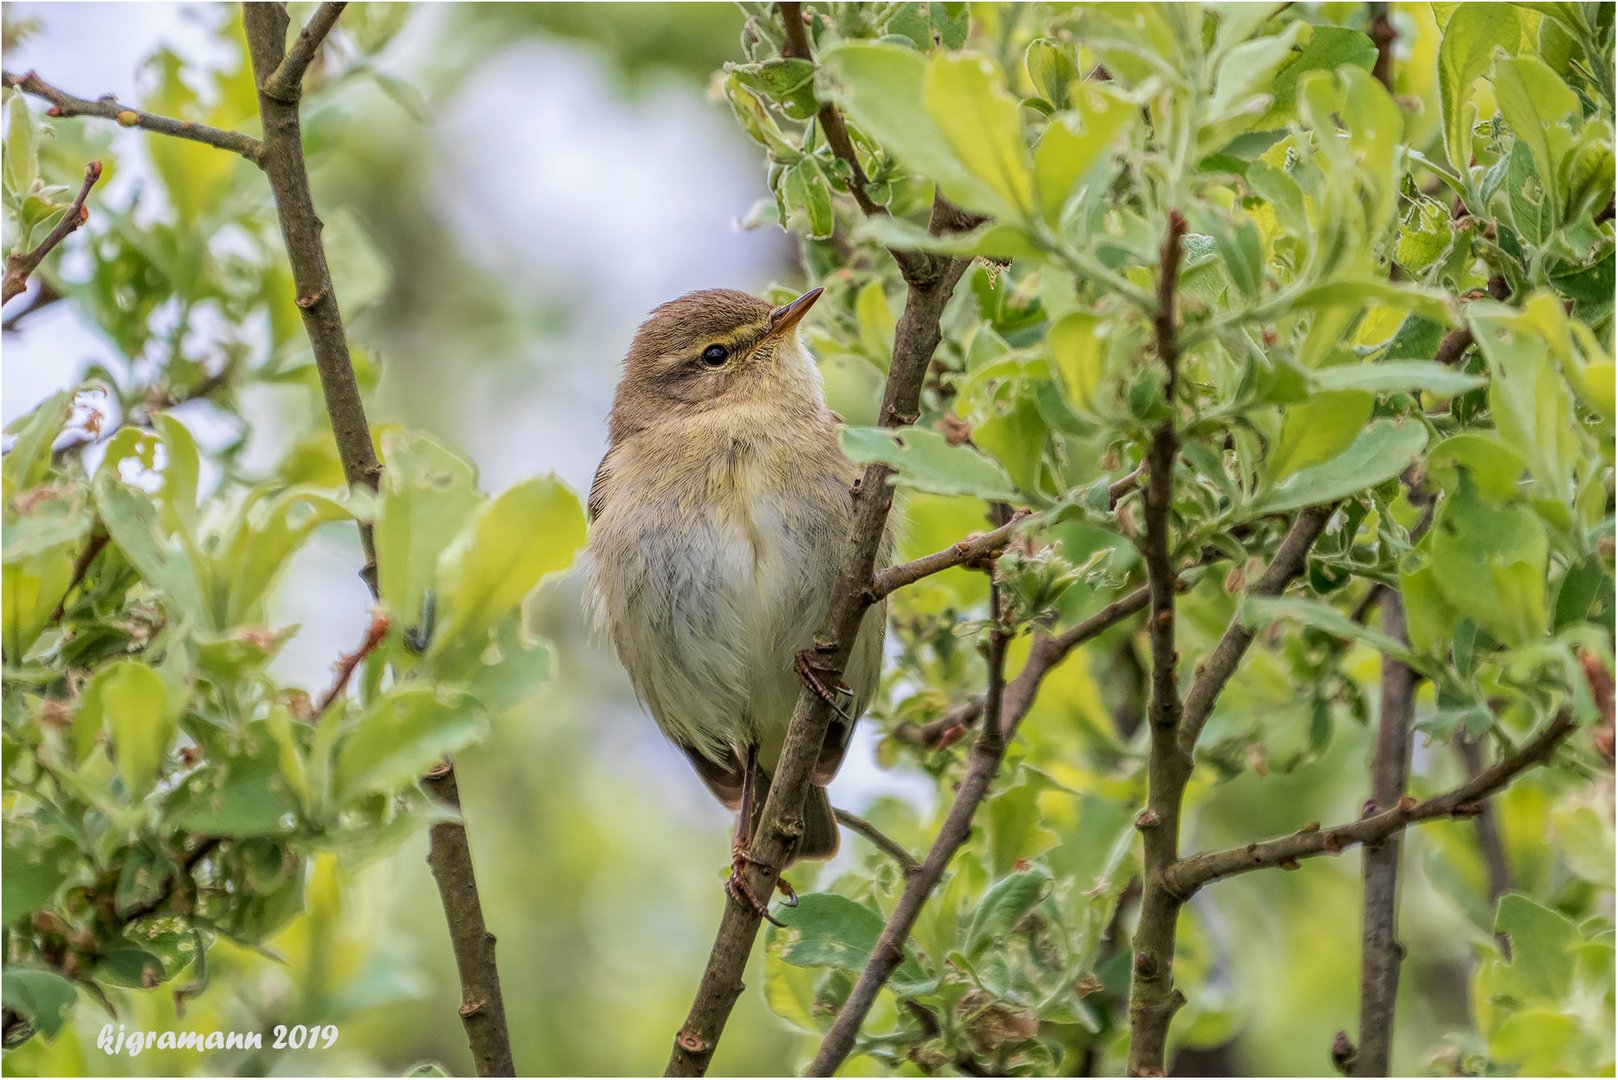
(715, 355)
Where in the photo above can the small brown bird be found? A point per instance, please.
(719, 517)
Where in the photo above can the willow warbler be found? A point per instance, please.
(719, 517)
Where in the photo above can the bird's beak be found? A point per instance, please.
(785, 317)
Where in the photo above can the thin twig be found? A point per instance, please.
(1384, 35)
(44, 297)
(482, 1010)
(1380, 950)
(286, 81)
(974, 549)
(912, 263)
(880, 840)
(781, 821)
(21, 264)
(347, 662)
(108, 108)
(81, 566)
(889, 950)
(1193, 872)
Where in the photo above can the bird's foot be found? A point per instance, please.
(810, 668)
(741, 892)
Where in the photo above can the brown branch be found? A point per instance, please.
(21, 264)
(44, 297)
(1153, 998)
(973, 550)
(347, 662)
(912, 263)
(316, 298)
(1599, 680)
(781, 822)
(449, 855)
(1192, 873)
(886, 955)
(1290, 559)
(1380, 950)
(879, 840)
(286, 81)
(1384, 35)
(152, 906)
(108, 108)
(482, 1010)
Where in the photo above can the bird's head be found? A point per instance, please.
(712, 348)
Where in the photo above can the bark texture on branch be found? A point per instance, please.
(1380, 950)
(982, 765)
(450, 857)
(108, 108)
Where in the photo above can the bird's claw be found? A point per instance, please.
(787, 891)
(741, 892)
(809, 668)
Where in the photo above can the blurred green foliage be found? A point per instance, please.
(145, 727)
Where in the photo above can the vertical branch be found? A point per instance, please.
(983, 763)
(1153, 998)
(1380, 951)
(281, 155)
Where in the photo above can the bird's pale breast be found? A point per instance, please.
(712, 564)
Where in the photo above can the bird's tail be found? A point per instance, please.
(819, 822)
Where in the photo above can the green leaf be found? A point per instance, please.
(1464, 53)
(30, 589)
(509, 671)
(808, 200)
(133, 704)
(1492, 466)
(22, 146)
(1318, 429)
(925, 461)
(791, 82)
(1535, 102)
(882, 88)
(1250, 69)
(29, 459)
(1075, 141)
(1379, 453)
(1531, 403)
(1328, 48)
(1051, 69)
(428, 493)
(401, 736)
(49, 518)
(1397, 375)
(1541, 940)
(1258, 612)
(1005, 905)
(512, 541)
(1428, 303)
(982, 124)
(827, 930)
(132, 519)
(38, 863)
(245, 795)
(43, 998)
(1491, 562)
(267, 535)
(1531, 209)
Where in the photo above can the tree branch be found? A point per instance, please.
(1192, 873)
(880, 840)
(449, 854)
(286, 81)
(781, 822)
(108, 108)
(974, 549)
(912, 263)
(983, 764)
(21, 264)
(317, 299)
(1153, 998)
(1380, 951)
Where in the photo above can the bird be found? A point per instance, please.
(718, 520)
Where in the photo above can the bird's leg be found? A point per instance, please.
(736, 885)
(809, 666)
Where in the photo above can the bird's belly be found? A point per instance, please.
(720, 597)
